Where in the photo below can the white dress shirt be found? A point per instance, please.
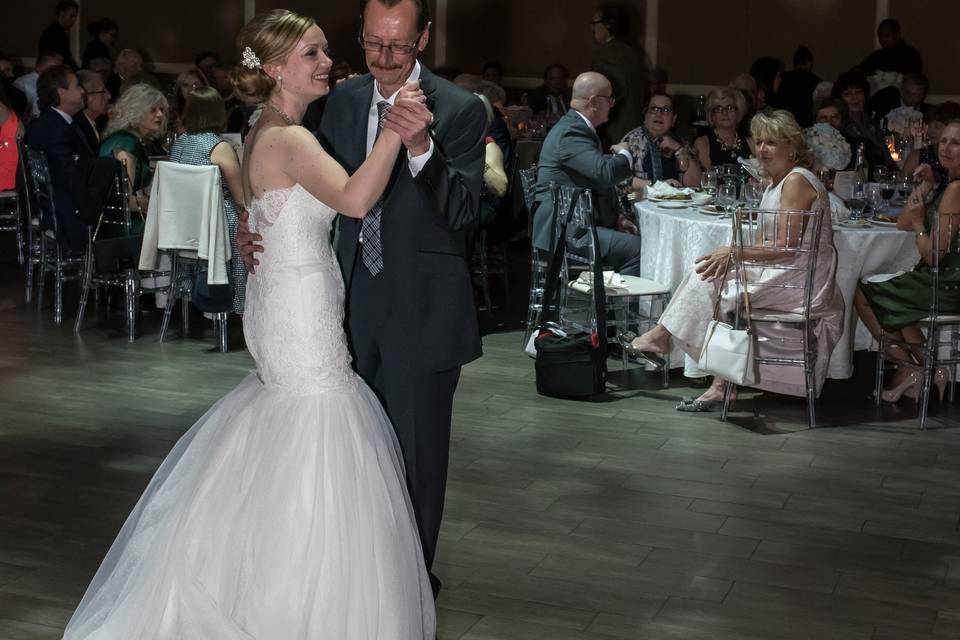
(416, 163)
(28, 84)
(623, 152)
(63, 114)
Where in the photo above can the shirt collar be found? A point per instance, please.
(587, 120)
(377, 96)
(64, 115)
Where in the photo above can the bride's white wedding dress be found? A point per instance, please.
(282, 514)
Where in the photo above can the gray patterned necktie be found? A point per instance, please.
(371, 250)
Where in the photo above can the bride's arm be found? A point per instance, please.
(321, 175)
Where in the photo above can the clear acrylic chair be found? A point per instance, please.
(941, 326)
(538, 263)
(632, 301)
(31, 225)
(108, 269)
(65, 265)
(789, 240)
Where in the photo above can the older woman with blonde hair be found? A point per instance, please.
(138, 117)
(785, 159)
(722, 144)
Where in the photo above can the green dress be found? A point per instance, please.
(905, 299)
(127, 141)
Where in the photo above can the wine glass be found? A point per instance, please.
(727, 196)
(708, 182)
(875, 197)
(857, 202)
(753, 193)
(904, 187)
(887, 190)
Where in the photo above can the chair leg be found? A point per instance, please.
(130, 299)
(18, 230)
(221, 320)
(84, 290)
(42, 270)
(58, 289)
(726, 401)
(666, 357)
(881, 358)
(171, 297)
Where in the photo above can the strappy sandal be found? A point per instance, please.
(626, 343)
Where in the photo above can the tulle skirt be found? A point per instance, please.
(277, 516)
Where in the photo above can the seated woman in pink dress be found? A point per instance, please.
(10, 131)
(785, 159)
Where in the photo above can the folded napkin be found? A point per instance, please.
(661, 189)
(612, 283)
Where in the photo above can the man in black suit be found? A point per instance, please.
(56, 37)
(894, 53)
(912, 93)
(96, 104)
(572, 155)
(61, 98)
(552, 98)
(411, 319)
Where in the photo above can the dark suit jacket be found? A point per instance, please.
(66, 151)
(572, 155)
(622, 66)
(887, 99)
(427, 221)
(537, 99)
(87, 131)
(55, 38)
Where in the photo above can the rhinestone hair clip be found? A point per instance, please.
(250, 59)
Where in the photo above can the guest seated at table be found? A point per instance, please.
(940, 115)
(61, 99)
(497, 127)
(188, 80)
(911, 93)
(658, 155)
(137, 118)
(551, 99)
(900, 303)
(96, 105)
(128, 64)
(204, 119)
(722, 144)
(27, 83)
(786, 159)
(747, 86)
(572, 156)
(852, 87)
(833, 111)
(11, 131)
(493, 72)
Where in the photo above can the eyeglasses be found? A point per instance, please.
(610, 98)
(94, 93)
(593, 23)
(727, 108)
(661, 110)
(397, 49)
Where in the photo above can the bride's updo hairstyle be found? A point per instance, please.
(271, 37)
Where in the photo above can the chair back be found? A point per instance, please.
(187, 198)
(777, 248)
(528, 181)
(116, 212)
(24, 183)
(580, 254)
(41, 186)
(943, 233)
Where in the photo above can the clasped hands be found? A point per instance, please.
(410, 119)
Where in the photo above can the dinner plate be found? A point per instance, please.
(854, 224)
(709, 212)
(883, 223)
(672, 204)
(687, 200)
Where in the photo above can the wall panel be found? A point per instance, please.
(931, 26)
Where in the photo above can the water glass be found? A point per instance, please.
(727, 195)
(753, 193)
(857, 202)
(875, 197)
(708, 182)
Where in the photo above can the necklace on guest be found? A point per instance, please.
(280, 113)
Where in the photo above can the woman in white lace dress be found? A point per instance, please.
(283, 512)
(785, 159)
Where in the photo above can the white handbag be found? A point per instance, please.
(727, 352)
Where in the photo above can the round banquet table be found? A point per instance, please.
(672, 239)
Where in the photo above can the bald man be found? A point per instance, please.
(572, 155)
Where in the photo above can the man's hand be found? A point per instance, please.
(410, 119)
(626, 225)
(247, 242)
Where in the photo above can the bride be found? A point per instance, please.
(283, 512)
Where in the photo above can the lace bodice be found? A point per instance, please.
(293, 321)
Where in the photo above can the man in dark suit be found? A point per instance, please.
(96, 104)
(56, 37)
(552, 98)
(572, 155)
(912, 93)
(894, 53)
(411, 319)
(61, 99)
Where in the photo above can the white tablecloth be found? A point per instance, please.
(674, 238)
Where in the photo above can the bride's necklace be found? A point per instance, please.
(280, 113)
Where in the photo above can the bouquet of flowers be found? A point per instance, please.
(904, 121)
(830, 148)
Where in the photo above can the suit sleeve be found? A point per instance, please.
(582, 154)
(452, 178)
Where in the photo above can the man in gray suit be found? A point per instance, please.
(572, 155)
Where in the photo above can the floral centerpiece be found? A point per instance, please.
(904, 121)
(830, 149)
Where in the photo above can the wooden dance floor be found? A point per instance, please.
(565, 520)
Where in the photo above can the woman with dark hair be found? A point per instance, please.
(621, 65)
(103, 34)
(768, 72)
(204, 118)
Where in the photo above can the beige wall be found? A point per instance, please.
(931, 26)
